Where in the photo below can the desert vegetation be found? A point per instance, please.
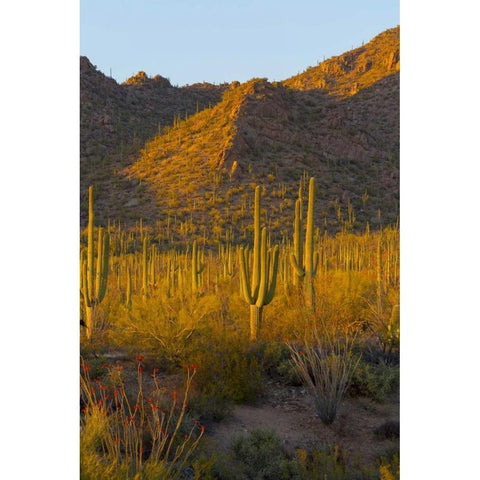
(239, 280)
(178, 334)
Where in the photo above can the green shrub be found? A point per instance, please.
(289, 373)
(210, 407)
(262, 455)
(376, 382)
(275, 359)
(272, 355)
(263, 458)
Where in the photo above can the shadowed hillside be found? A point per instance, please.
(117, 119)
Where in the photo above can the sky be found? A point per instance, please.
(191, 41)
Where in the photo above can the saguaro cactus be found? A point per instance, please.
(197, 268)
(308, 269)
(297, 235)
(261, 290)
(93, 284)
(144, 269)
(128, 291)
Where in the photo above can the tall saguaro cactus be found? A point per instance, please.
(308, 269)
(297, 235)
(93, 284)
(197, 268)
(261, 289)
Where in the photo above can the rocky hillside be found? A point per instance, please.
(354, 70)
(117, 119)
(338, 121)
(112, 113)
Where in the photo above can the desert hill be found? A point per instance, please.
(355, 70)
(338, 121)
(117, 119)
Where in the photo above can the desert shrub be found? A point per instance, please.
(165, 327)
(376, 382)
(289, 373)
(219, 466)
(271, 355)
(210, 407)
(389, 429)
(262, 455)
(228, 369)
(330, 463)
(275, 359)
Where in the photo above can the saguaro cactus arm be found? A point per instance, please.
(273, 275)
(244, 276)
(299, 271)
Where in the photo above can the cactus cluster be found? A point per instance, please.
(144, 269)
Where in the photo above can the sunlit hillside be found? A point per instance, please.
(355, 70)
(275, 133)
(203, 163)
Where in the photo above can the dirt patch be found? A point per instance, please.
(289, 411)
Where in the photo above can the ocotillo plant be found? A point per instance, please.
(94, 279)
(261, 290)
(308, 270)
(197, 268)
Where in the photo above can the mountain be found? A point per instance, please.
(355, 70)
(117, 119)
(113, 113)
(337, 121)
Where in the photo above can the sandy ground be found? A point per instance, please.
(288, 411)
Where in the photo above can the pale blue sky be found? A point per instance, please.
(192, 41)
